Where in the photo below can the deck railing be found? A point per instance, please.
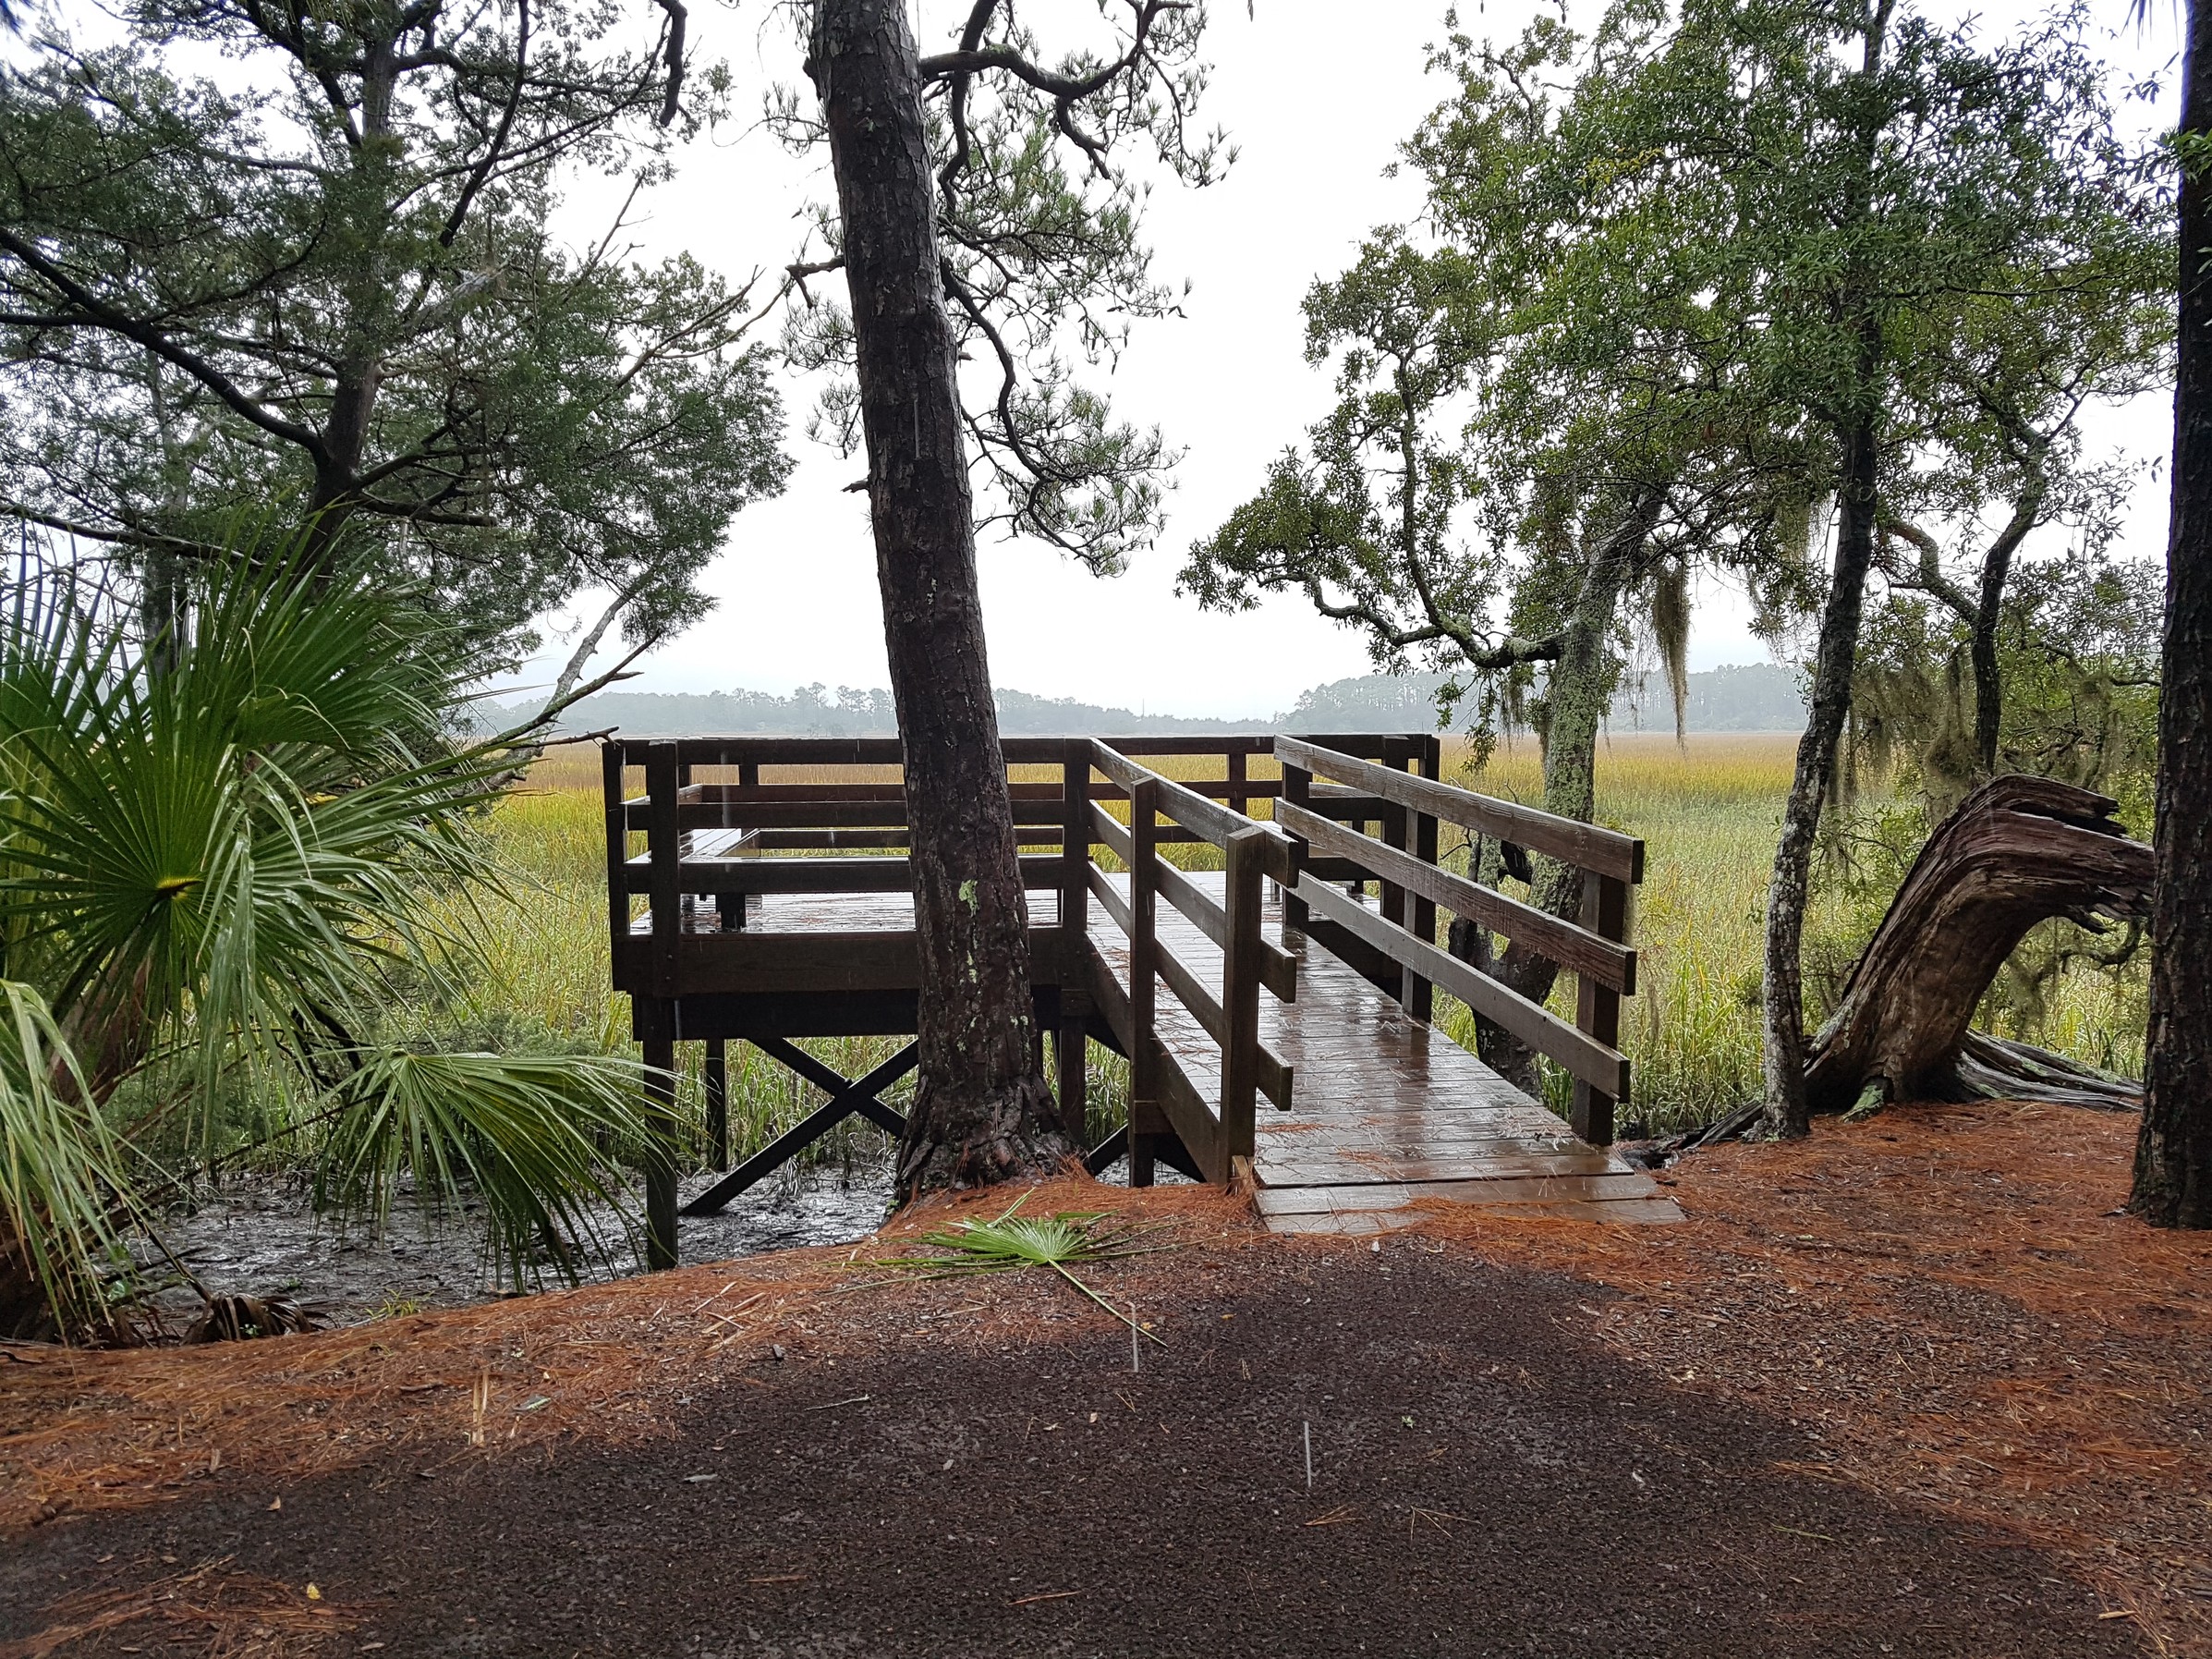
(719, 826)
(1219, 1132)
(1328, 819)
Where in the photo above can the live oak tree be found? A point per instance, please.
(2173, 1156)
(1717, 266)
(1541, 430)
(2006, 384)
(1866, 171)
(324, 290)
(962, 234)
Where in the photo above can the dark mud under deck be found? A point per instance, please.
(1275, 1011)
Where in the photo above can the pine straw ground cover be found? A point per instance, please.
(1940, 1303)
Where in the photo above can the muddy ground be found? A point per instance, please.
(259, 1236)
(1912, 1389)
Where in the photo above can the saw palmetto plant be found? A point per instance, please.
(225, 855)
(1011, 1240)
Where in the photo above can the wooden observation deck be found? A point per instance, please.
(1299, 970)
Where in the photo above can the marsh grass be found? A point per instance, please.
(1709, 813)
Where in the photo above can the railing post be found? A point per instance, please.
(1146, 1120)
(1420, 998)
(1298, 788)
(1397, 754)
(1240, 995)
(1071, 1042)
(1238, 800)
(1598, 1007)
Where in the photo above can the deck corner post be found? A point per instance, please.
(1240, 993)
(618, 849)
(1597, 1007)
(665, 853)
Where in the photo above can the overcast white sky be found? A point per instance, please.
(1316, 95)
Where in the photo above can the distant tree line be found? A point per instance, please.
(1762, 697)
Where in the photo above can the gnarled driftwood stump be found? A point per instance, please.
(2019, 850)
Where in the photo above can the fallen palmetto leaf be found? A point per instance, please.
(1011, 1240)
(240, 1318)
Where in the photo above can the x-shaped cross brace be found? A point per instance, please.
(846, 1097)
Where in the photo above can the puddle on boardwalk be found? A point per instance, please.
(259, 1236)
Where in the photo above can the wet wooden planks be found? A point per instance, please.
(1389, 1114)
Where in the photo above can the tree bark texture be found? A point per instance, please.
(982, 1112)
(2173, 1156)
(1577, 697)
(1787, 1113)
(2019, 850)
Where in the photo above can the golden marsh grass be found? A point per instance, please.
(1708, 811)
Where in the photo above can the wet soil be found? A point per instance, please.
(259, 1236)
(974, 1468)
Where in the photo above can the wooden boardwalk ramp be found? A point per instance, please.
(1390, 1115)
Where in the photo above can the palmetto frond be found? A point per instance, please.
(234, 851)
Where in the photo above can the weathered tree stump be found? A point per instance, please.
(2017, 851)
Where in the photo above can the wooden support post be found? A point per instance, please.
(1071, 1042)
(716, 1073)
(1298, 788)
(1597, 1007)
(748, 774)
(1240, 995)
(1238, 800)
(1147, 1120)
(656, 1020)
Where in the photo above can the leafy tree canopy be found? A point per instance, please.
(324, 277)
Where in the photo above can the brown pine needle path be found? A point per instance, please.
(1910, 1384)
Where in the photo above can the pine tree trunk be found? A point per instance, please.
(1787, 1112)
(982, 1112)
(2173, 1156)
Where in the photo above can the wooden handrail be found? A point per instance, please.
(1586, 846)
(814, 875)
(1571, 947)
(1194, 811)
(773, 750)
(1587, 1058)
